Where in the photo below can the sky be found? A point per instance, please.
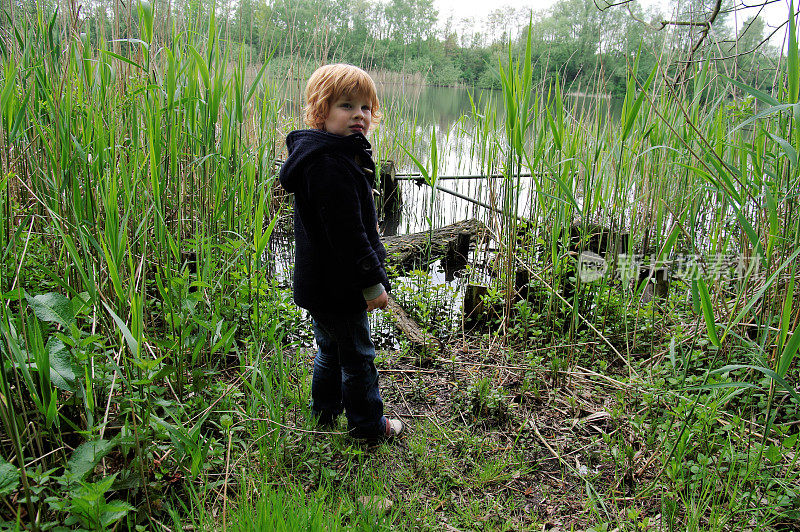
(774, 14)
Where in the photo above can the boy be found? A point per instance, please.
(339, 273)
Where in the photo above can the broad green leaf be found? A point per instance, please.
(86, 457)
(568, 191)
(695, 297)
(52, 307)
(146, 17)
(226, 340)
(9, 478)
(20, 358)
(787, 148)
(553, 129)
(630, 118)
(203, 66)
(267, 233)
(769, 111)
(133, 345)
(725, 179)
(123, 59)
(18, 118)
(51, 411)
(673, 236)
(421, 167)
(114, 511)
(80, 303)
(17, 294)
(773, 454)
(254, 85)
(62, 370)
(751, 234)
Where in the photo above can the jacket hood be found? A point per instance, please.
(305, 144)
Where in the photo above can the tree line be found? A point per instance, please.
(588, 46)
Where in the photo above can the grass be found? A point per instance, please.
(155, 373)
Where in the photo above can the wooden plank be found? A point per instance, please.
(427, 246)
(419, 338)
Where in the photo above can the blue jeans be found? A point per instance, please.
(345, 377)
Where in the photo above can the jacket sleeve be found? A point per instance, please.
(333, 192)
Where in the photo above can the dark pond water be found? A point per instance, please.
(454, 117)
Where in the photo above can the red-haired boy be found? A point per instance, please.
(339, 273)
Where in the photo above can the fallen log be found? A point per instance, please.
(407, 251)
(421, 341)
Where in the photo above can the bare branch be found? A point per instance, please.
(609, 5)
(707, 28)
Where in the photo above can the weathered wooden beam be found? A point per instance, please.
(420, 339)
(427, 246)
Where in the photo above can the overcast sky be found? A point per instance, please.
(774, 14)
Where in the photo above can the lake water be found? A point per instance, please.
(415, 114)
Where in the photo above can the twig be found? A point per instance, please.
(433, 418)
(295, 429)
(44, 456)
(586, 371)
(408, 370)
(498, 366)
(547, 445)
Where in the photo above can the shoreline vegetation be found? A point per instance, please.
(155, 374)
(573, 42)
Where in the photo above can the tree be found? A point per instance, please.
(699, 28)
(411, 20)
(748, 53)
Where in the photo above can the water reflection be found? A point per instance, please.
(463, 147)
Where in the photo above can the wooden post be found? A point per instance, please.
(657, 280)
(391, 199)
(473, 304)
(522, 279)
(662, 283)
(457, 252)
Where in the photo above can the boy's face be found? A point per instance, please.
(349, 114)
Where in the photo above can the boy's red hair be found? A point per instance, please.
(328, 83)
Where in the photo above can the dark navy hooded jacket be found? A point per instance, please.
(338, 251)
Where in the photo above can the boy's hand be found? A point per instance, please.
(379, 302)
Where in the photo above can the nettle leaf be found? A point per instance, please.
(9, 478)
(80, 303)
(114, 511)
(86, 457)
(52, 307)
(773, 454)
(62, 370)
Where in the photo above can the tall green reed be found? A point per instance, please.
(146, 168)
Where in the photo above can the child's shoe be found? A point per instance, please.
(393, 427)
